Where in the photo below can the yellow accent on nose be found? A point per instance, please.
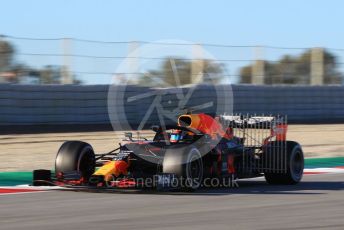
(112, 168)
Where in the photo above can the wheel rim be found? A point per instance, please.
(195, 169)
(86, 162)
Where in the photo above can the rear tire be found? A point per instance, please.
(187, 165)
(75, 156)
(295, 166)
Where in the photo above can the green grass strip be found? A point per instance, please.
(15, 178)
(324, 162)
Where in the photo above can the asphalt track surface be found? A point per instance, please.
(316, 203)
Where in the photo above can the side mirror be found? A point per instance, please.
(129, 135)
(155, 128)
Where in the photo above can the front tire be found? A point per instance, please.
(75, 156)
(295, 166)
(186, 163)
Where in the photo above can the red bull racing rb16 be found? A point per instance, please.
(186, 156)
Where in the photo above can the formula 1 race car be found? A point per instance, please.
(198, 149)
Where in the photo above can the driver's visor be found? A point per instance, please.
(174, 137)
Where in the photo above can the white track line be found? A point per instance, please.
(324, 170)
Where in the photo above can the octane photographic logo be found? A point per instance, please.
(177, 183)
(134, 108)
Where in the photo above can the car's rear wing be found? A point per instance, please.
(247, 121)
(253, 126)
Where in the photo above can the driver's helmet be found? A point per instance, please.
(175, 136)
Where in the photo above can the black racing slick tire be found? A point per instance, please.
(75, 156)
(186, 164)
(295, 166)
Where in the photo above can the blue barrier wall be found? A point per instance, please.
(88, 104)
